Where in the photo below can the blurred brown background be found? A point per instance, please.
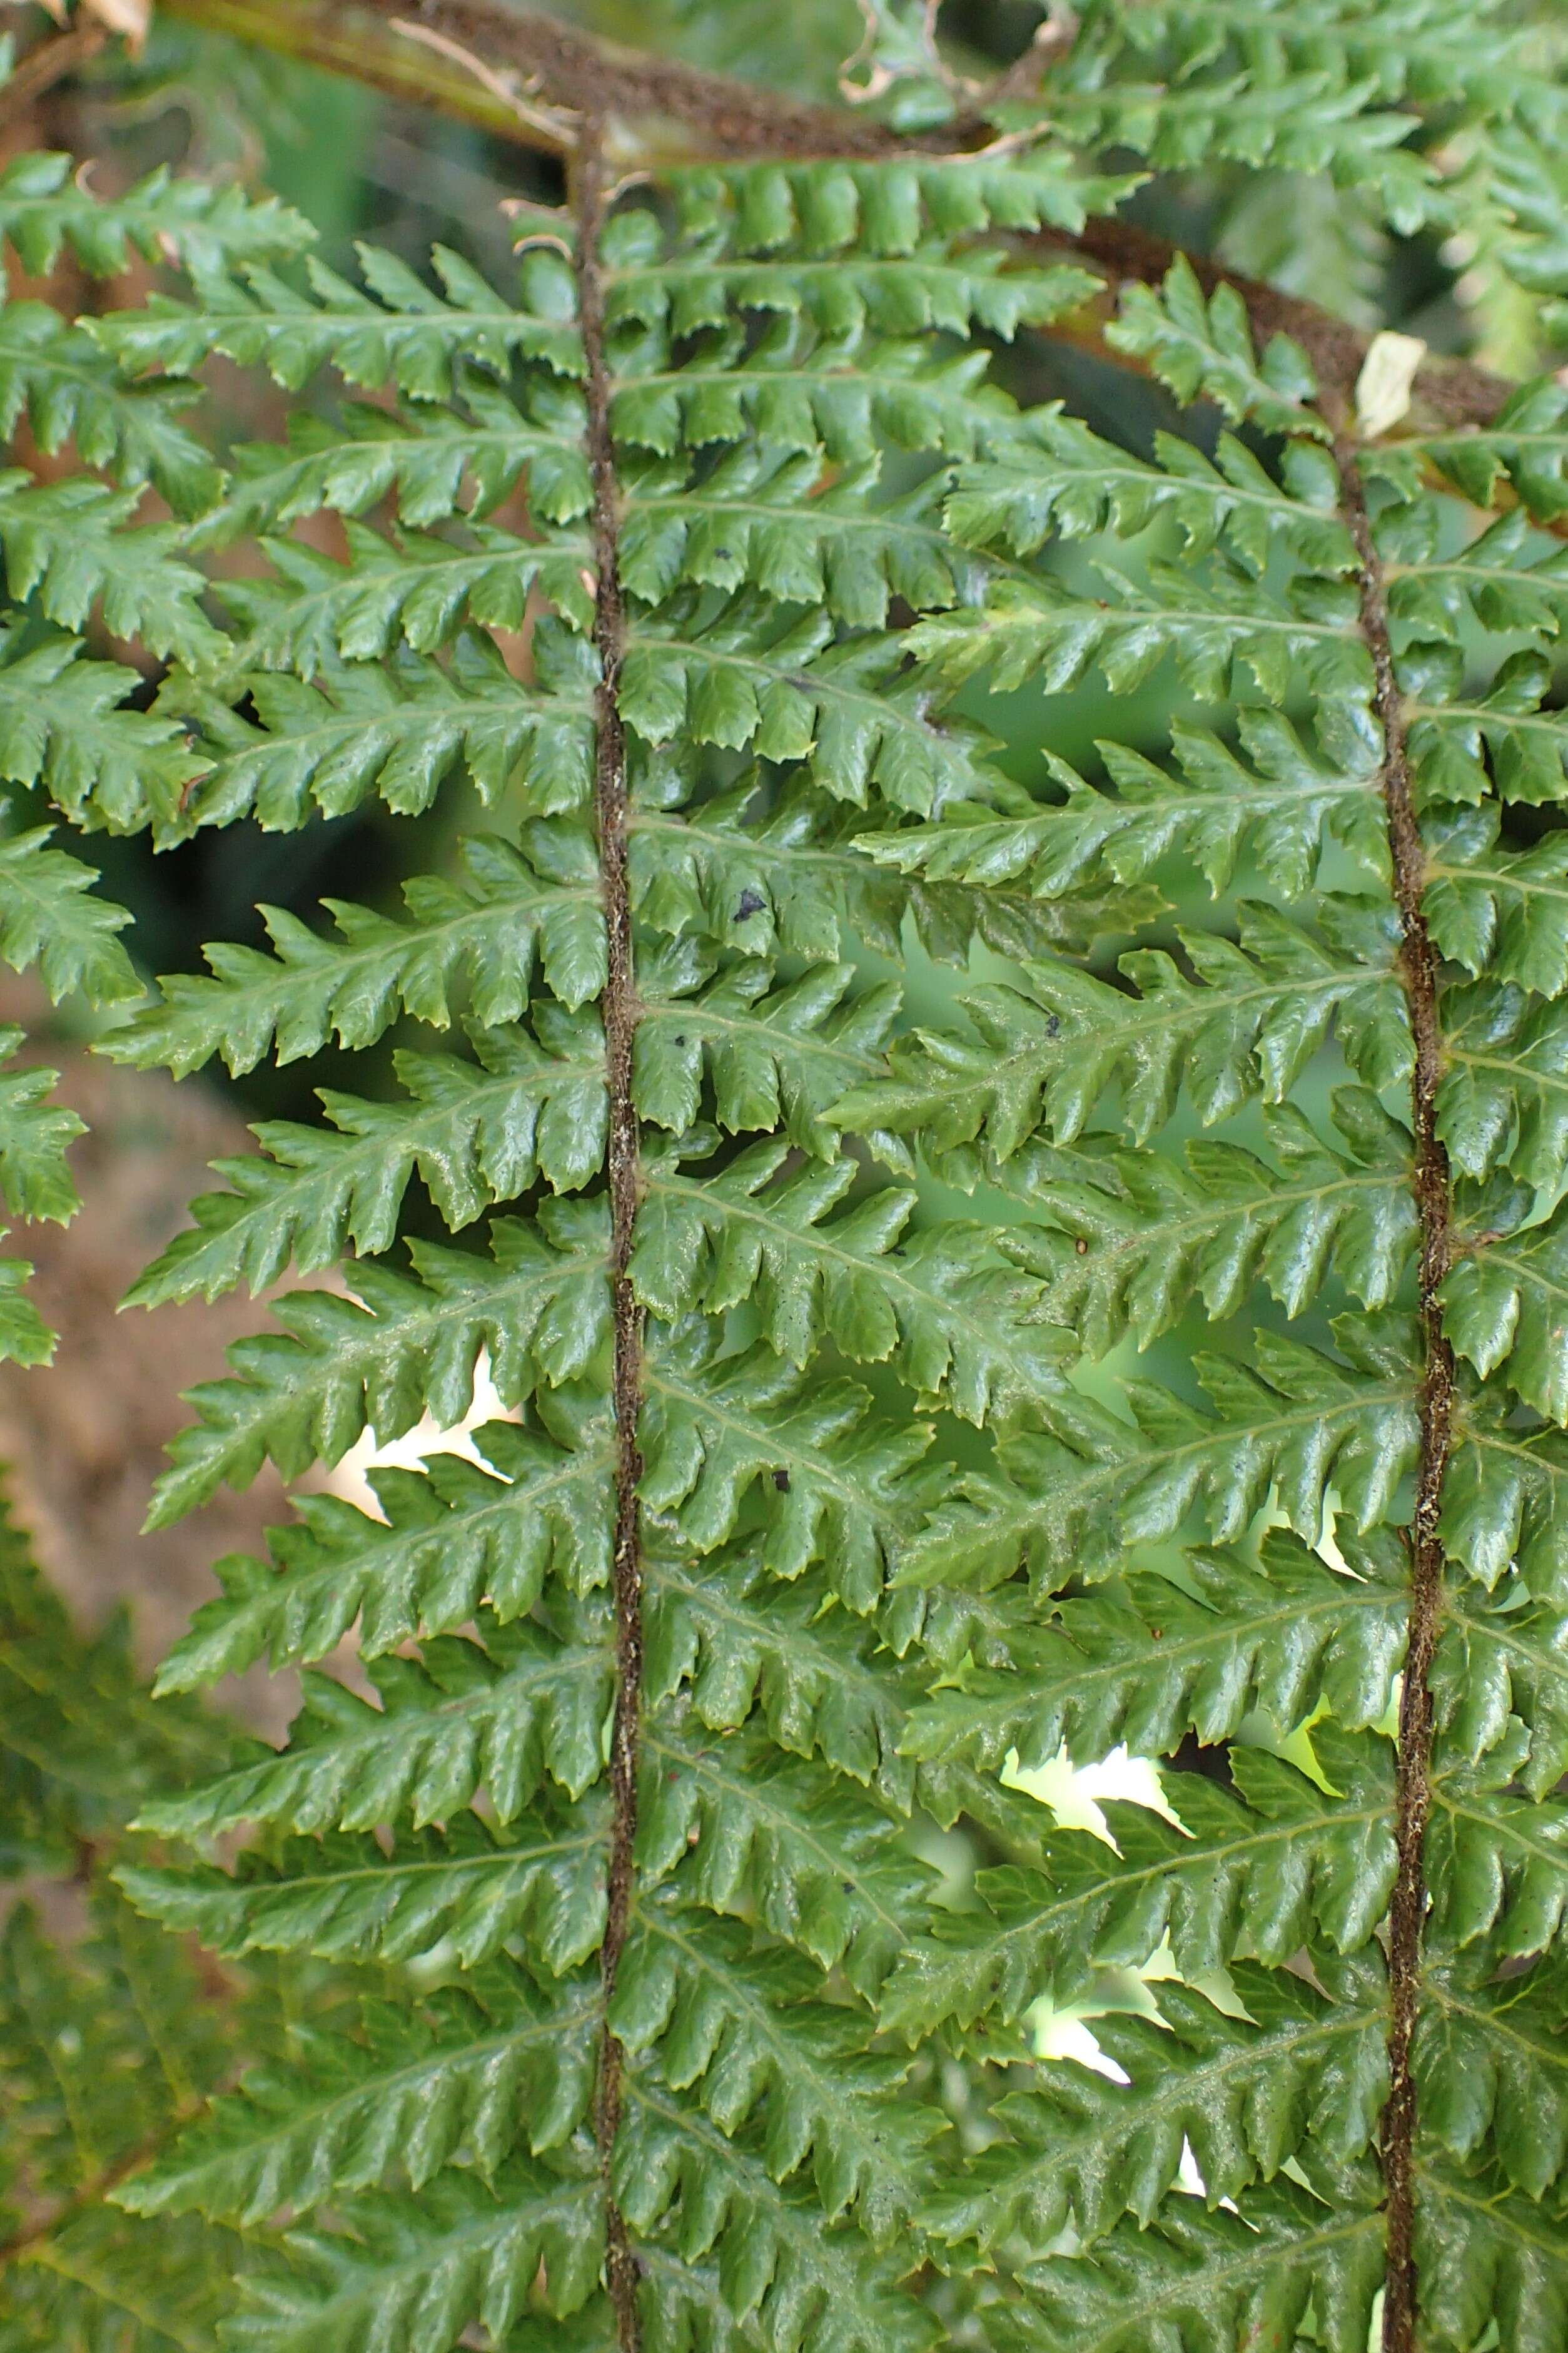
(83, 1437)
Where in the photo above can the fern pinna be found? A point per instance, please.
(624, 2002)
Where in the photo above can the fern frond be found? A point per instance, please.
(1496, 1675)
(827, 1479)
(1282, 809)
(775, 1054)
(80, 1745)
(99, 2278)
(420, 589)
(416, 2089)
(954, 292)
(1295, 123)
(67, 546)
(1204, 347)
(63, 724)
(1145, 1663)
(1502, 2044)
(1253, 1872)
(1054, 476)
(342, 1898)
(736, 2027)
(1133, 1239)
(438, 462)
(1525, 446)
(501, 1713)
(796, 877)
(798, 387)
(416, 2272)
(1478, 2242)
(1504, 1100)
(1219, 630)
(1500, 909)
(397, 729)
(405, 1344)
(1283, 2251)
(1259, 1008)
(476, 939)
(51, 917)
(948, 1312)
(55, 376)
(739, 679)
(668, 1690)
(777, 521)
(889, 210)
(455, 1536)
(35, 1136)
(1066, 1500)
(778, 1840)
(531, 1103)
(819, 1680)
(1243, 2092)
(401, 332)
(44, 209)
(688, 2186)
(107, 2045)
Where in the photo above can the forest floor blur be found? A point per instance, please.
(83, 1437)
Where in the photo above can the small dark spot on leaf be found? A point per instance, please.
(849, 1887)
(1054, 1026)
(751, 903)
(680, 1037)
(781, 1480)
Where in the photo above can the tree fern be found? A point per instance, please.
(599, 1977)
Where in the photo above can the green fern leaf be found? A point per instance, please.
(62, 725)
(341, 1898)
(1145, 1666)
(1242, 2092)
(1069, 1499)
(404, 1346)
(416, 2090)
(398, 730)
(415, 2273)
(455, 1536)
(506, 913)
(1259, 1010)
(948, 1313)
(653, 1898)
(49, 916)
(479, 1132)
(1252, 1874)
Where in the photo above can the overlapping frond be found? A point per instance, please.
(812, 1522)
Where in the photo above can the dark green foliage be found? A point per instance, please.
(806, 1318)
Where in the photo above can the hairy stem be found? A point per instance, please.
(620, 1015)
(1433, 1198)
